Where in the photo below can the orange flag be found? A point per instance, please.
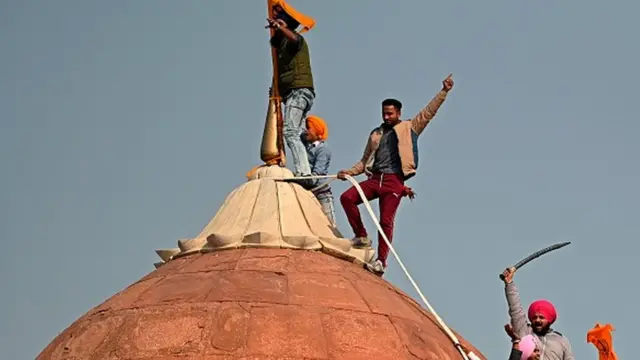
(305, 21)
(600, 337)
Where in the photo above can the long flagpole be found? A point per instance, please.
(275, 94)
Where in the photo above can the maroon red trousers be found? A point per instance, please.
(389, 189)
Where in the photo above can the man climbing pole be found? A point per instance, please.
(390, 158)
(542, 314)
(294, 79)
(319, 159)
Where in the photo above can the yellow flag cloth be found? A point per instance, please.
(305, 21)
(600, 337)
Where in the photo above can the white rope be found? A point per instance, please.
(323, 185)
(441, 322)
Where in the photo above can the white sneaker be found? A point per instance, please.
(376, 267)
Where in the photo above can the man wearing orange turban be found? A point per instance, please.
(541, 315)
(319, 160)
(294, 78)
(317, 128)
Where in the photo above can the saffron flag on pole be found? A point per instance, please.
(272, 149)
(305, 21)
(600, 337)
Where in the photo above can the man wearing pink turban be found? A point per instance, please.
(541, 315)
(522, 349)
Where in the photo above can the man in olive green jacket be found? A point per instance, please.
(295, 84)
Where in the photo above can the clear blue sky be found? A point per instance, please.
(124, 124)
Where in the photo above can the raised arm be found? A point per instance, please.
(281, 26)
(292, 36)
(420, 121)
(516, 354)
(516, 312)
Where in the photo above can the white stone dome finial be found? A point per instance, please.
(264, 212)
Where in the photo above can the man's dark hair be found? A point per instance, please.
(392, 102)
(292, 23)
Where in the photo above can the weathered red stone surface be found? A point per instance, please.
(260, 304)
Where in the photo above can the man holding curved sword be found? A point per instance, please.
(541, 315)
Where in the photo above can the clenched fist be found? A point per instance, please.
(447, 84)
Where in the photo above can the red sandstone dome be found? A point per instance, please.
(268, 278)
(258, 304)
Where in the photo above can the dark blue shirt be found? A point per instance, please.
(387, 158)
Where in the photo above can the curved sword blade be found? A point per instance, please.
(537, 254)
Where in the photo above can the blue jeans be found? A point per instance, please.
(297, 104)
(326, 201)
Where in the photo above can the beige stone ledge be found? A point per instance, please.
(264, 212)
